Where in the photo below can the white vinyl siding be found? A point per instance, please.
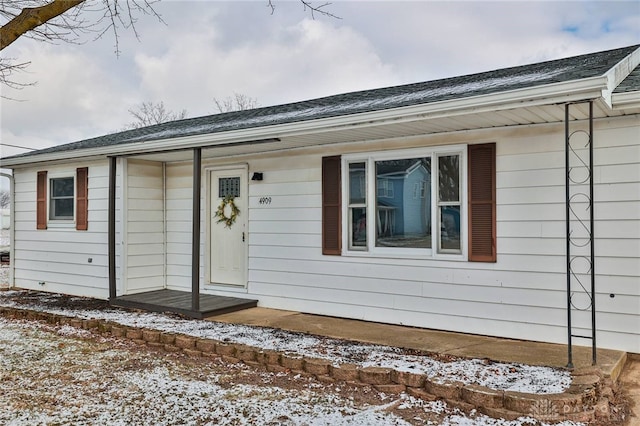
(522, 295)
(179, 202)
(145, 227)
(59, 256)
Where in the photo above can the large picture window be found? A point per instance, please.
(406, 201)
(438, 201)
(403, 220)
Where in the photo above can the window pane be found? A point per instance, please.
(403, 215)
(229, 187)
(359, 227)
(62, 208)
(62, 187)
(357, 183)
(450, 228)
(449, 178)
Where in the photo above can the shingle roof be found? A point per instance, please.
(631, 83)
(502, 80)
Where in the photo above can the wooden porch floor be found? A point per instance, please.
(180, 302)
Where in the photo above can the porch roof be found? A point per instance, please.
(452, 104)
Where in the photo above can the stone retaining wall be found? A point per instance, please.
(586, 400)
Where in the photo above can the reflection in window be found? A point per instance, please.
(61, 198)
(358, 206)
(449, 203)
(403, 215)
(410, 203)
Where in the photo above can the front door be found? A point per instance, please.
(228, 220)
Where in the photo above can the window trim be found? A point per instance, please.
(51, 198)
(432, 253)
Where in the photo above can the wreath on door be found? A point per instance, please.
(221, 212)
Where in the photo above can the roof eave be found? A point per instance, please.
(550, 94)
(617, 74)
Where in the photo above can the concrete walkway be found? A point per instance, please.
(458, 344)
(630, 380)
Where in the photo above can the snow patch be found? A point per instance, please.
(500, 376)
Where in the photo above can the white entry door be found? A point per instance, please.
(228, 246)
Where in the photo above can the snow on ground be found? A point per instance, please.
(61, 375)
(501, 376)
(4, 276)
(4, 238)
(4, 269)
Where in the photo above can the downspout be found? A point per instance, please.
(12, 228)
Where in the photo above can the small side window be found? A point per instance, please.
(61, 198)
(357, 206)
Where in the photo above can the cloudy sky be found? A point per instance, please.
(213, 49)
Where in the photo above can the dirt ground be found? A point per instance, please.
(61, 375)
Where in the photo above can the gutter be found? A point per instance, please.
(555, 93)
(627, 100)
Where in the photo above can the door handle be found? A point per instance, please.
(243, 237)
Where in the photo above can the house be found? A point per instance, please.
(504, 203)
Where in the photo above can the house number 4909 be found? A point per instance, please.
(265, 200)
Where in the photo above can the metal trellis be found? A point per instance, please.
(580, 227)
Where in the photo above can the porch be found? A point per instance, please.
(180, 302)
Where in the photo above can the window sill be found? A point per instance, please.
(405, 255)
(61, 224)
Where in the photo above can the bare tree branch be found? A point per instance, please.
(31, 18)
(308, 6)
(64, 21)
(149, 113)
(237, 102)
(65, 27)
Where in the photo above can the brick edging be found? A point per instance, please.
(585, 400)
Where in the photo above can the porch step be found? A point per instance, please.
(179, 302)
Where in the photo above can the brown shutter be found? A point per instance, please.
(482, 203)
(331, 206)
(41, 201)
(82, 198)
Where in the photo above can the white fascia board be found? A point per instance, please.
(555, 93)
(618, 73)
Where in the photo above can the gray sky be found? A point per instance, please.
(212, 49)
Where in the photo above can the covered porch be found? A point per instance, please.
(149, 281)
